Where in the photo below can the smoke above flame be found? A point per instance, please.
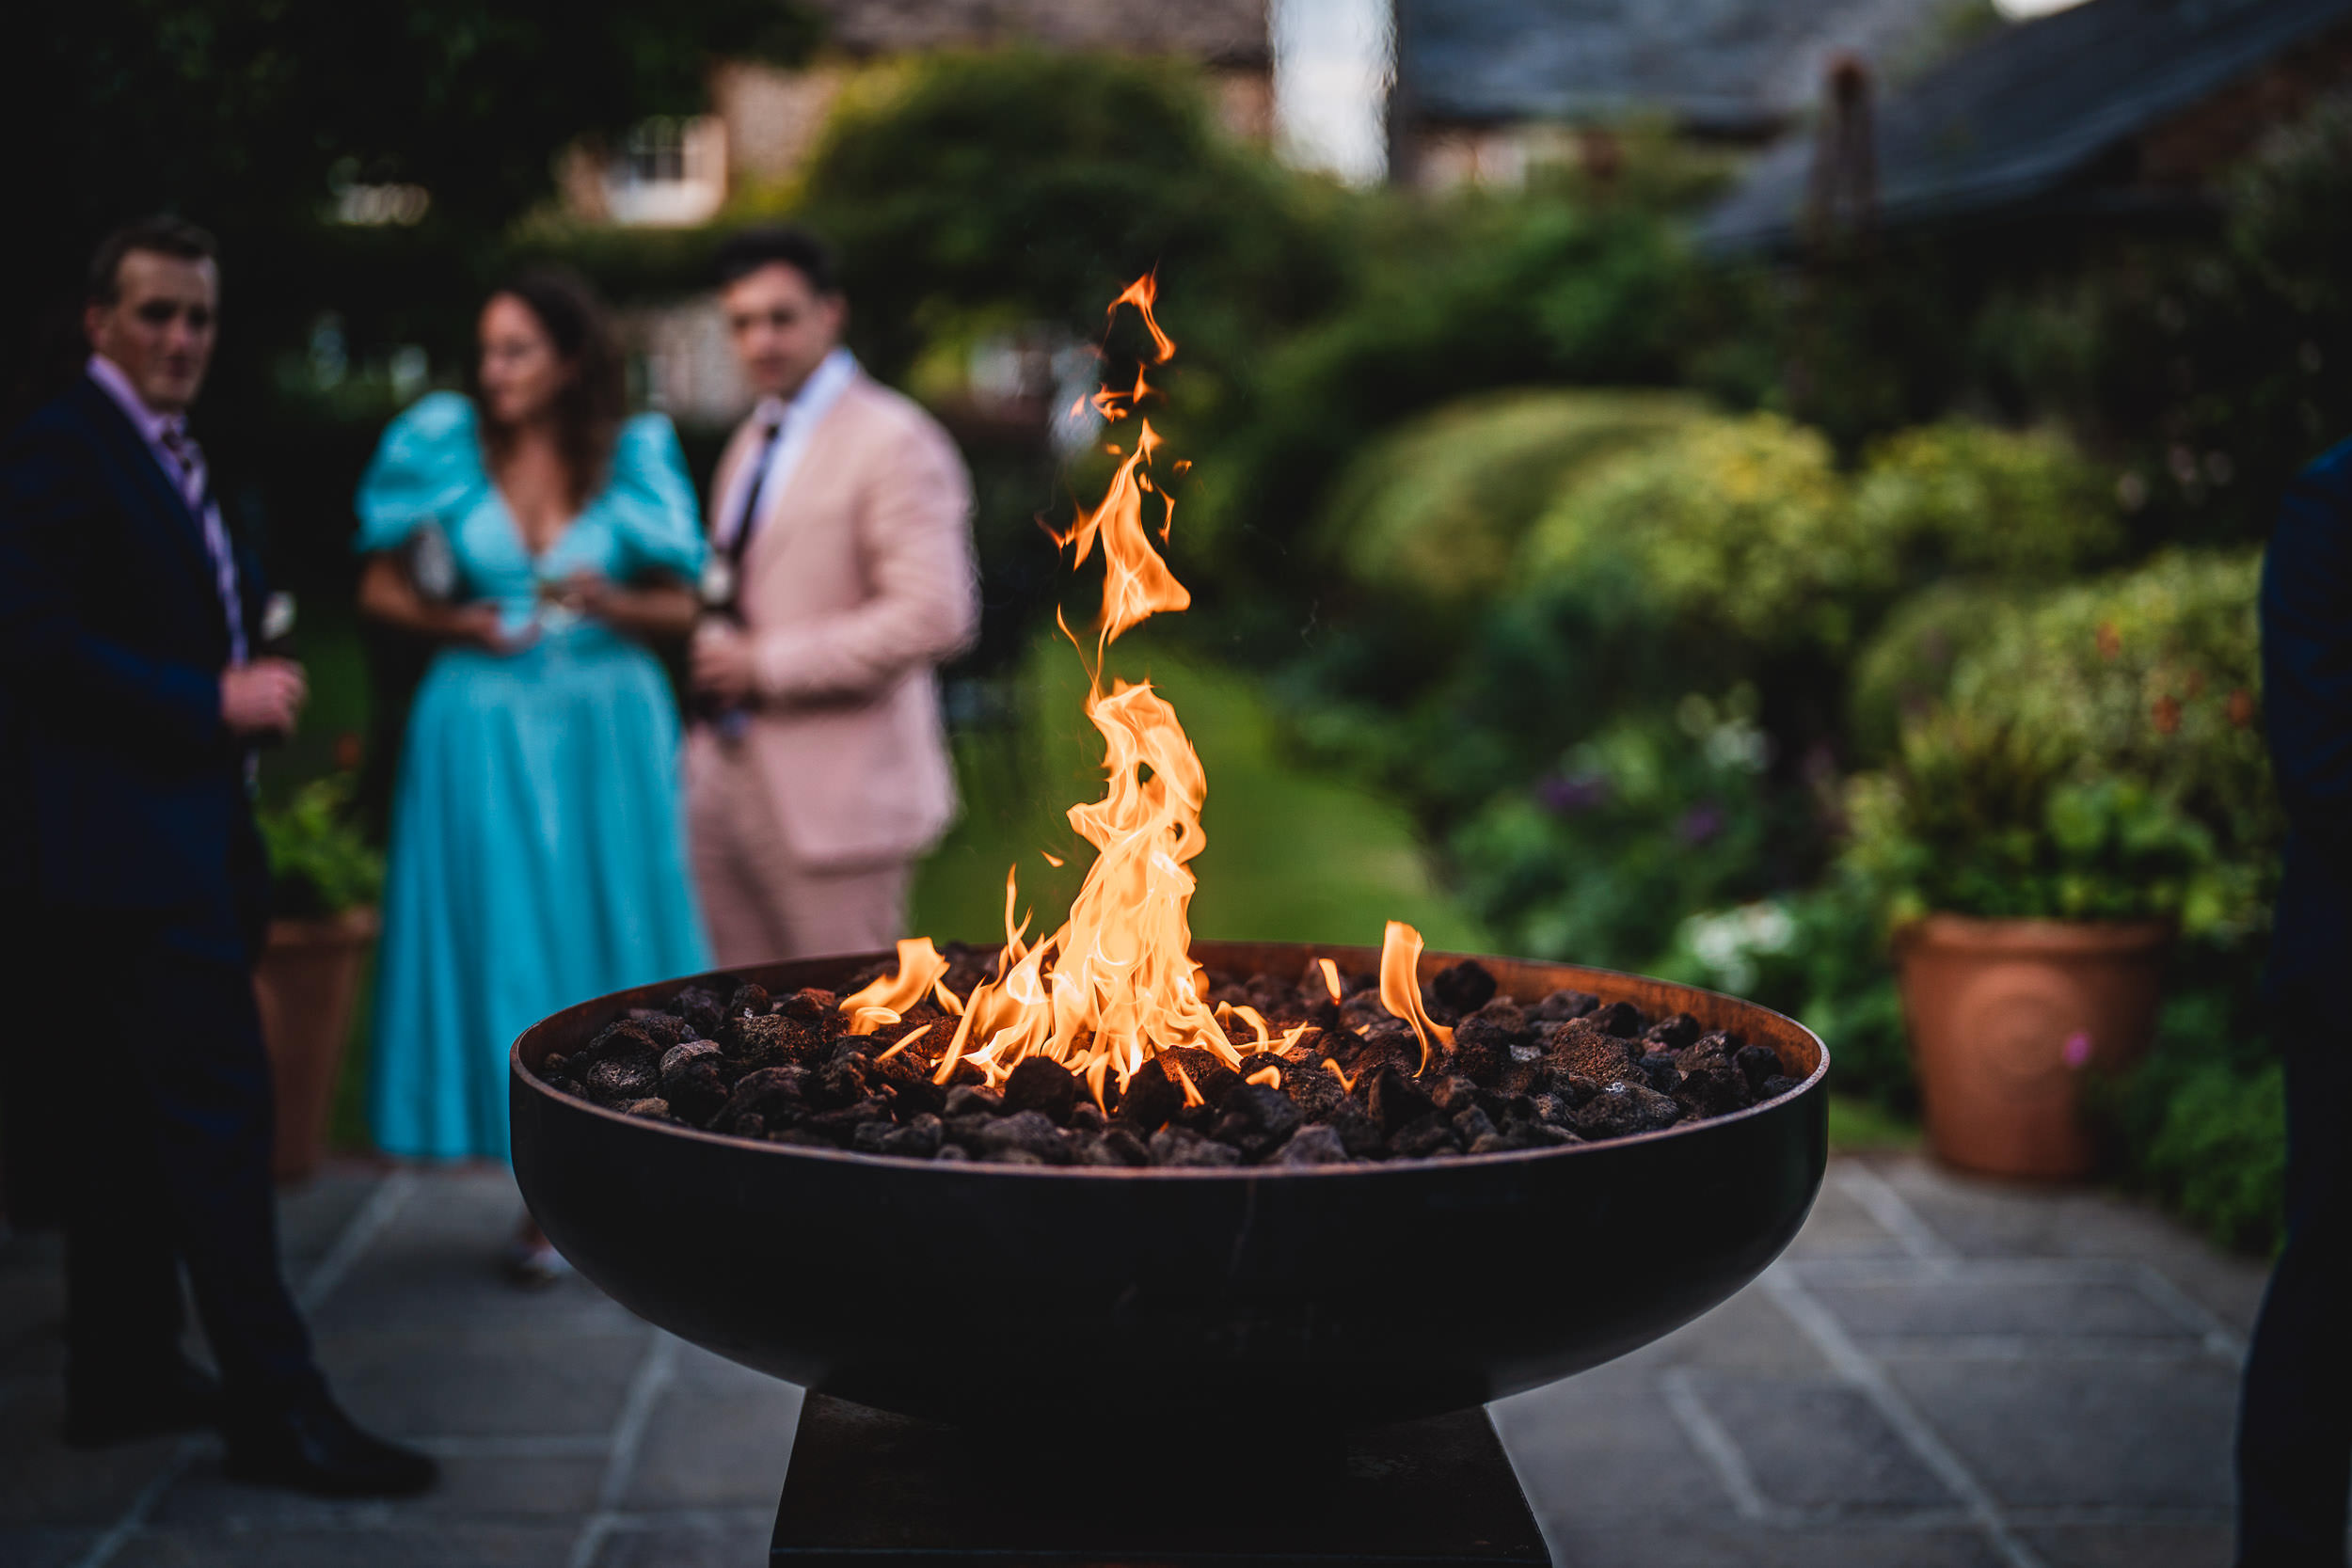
(1116, 985)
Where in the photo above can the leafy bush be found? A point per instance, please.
(1433, 512)
(1648, 820)
(1966, 497)
(1991, 819)
(1735, 523)
(319, 863)
(2201, 1121)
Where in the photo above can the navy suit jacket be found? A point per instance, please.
(122, 789)
(2307, 711)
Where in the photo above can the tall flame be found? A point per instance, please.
(1116, 983)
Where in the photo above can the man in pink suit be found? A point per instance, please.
(841, 577)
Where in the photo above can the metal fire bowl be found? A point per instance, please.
(1004, 1295)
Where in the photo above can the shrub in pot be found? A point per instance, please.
(2033, 906)
(326, 879)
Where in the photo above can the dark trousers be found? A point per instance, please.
(165, 1156)
(2295, 1425)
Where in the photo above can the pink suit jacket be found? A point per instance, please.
(858, 582)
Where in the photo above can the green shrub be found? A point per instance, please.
(1432, 514)
(1738, 525)
(2201, 1123)
(1966, 497)
(1905, 670)
(320, 863)
(2151, 674)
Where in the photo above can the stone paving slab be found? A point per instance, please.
(1941, 1372)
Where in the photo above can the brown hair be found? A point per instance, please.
(593, 399)
(161, 235)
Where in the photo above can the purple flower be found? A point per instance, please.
(1700, 823)
(1570, 793)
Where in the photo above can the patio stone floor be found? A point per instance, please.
(1941, 1372)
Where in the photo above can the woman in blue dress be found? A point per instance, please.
(537, 849)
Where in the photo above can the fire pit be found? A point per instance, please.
(1159, 1308)
(1263, 1286)
(1195, 1297)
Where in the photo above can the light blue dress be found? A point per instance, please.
(538, 843)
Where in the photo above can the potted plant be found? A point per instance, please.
(326, 879)
(2033, 903)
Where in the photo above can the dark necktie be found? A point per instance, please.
(192, 483)
(740, 540)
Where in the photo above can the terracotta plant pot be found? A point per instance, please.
(2006, 1015)
(305, 985)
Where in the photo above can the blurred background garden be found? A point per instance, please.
(1688, 522)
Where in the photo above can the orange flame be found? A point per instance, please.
(1400, 987)
(1331, 978)
(1117, 986)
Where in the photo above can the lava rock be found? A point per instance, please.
(1776, 1086)
(1312, 1088)
(1481, 1049)
(809, 1005)
(1359, 1134)
(1582, 1049)
(1621, 1018)
(1395, 1100)
(653, 1109)
(1453, 1095)
(1114, 1146)
(1025, 1137)
(1312, 1146)
(1041, 1086)
(753, 998)
(764, 1092)
(1465, 987)
(769, 1040)
(1658, 1070)
(1419, 1140)
(1087, 1117)
(1561, 1006)
(1256, 1119)
(973, 1100)
(1472, 1125)
(705, 1009)
(920, 1139)
(1622, 1109)
(1757, 1063)
(663, 1029)
(1181, 1147)
(1150, 1097)
(1212, 1077)
(618, 1079)
(693, 1079)
(955, 1154)
(1672, 1034)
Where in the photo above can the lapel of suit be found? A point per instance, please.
(167, 510)
(816, 461)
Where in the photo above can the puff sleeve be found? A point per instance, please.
(650, 502)
(428, 465)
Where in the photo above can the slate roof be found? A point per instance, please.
(1733, 67)
(1222, 32)
(2022, 118)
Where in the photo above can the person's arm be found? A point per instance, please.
(79, 681)
(2307, 658)
(658, 608)
(386, 594)
(914, 525)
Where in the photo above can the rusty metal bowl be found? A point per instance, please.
(1007, 1296)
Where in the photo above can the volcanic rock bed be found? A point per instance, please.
(1566, 1070)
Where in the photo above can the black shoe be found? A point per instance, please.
(314, 1448)
(178, 1397)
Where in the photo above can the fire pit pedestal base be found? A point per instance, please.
(870, 1488)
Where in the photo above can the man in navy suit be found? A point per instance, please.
(133, 698)
(2295, 1426)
